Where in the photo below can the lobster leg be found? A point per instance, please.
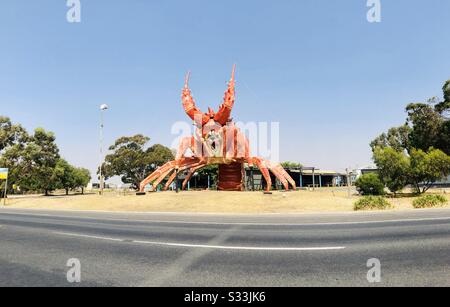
(165, 170)
(161, 178)
(174, 175)
(279, 175)
(190, 174)
(171, 179)
(286, 175)
(168, 166)
(261, 164)
(185, 165)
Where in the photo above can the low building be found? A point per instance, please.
(444, 182)
(304, 177)
(356, 173)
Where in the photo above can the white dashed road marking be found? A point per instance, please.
(222, 247)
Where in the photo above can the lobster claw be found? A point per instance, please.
(189, 104)
(224, 113)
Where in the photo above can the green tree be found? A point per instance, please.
(10, 134)
(10, 159)
(64, 176)
(289, 164)
(12, 140)
(444, 106)
(33, 161)
(393, 167)
(69, 178)
(427, 168)
(370, 184)
(132, 160)
(82, 178)
(397, 138)
(427, 125)
(425, 137)
(444, 139)
(446, 90)
(36, 162)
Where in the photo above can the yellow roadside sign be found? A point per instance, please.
(4, 176)
(3, 173)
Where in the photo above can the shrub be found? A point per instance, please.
(370, 184)
(430, 201)
(372, 203)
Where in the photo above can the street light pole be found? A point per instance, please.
(6, 192)
(103, 108)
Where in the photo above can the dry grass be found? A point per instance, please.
(324, 200)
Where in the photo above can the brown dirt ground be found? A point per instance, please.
(323, 200)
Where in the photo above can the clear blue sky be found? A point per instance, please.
(332, 80)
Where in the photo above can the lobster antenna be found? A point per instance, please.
(188, 75)
(233, 72)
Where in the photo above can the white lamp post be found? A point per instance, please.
(103, 108)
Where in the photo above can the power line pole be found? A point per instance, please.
(103, 108)
(348, 183)
(314, 178)
(6, 191)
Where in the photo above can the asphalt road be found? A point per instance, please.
(142, 249)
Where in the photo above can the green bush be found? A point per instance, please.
(372, 203)
(430, 201)
(370, 184)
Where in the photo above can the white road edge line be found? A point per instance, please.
(223, 247)
(87, 236)
(244, 247)
(287, 224)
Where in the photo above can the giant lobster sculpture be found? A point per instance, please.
(216, 141)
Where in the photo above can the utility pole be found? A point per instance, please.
(314, 178)
(103, 108)
(176, 182)
(252, 179)
(348, 183)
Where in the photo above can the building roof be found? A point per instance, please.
(309, 171)
(321, 172)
